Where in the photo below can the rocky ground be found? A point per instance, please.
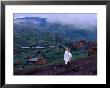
(87, 66)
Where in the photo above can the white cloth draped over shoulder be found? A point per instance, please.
(67, 56)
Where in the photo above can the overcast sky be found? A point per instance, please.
(69, 18)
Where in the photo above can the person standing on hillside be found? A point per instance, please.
(67, 56)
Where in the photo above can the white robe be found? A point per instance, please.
(67, 56)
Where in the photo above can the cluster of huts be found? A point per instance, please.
(36, 60)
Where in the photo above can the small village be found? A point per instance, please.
(90, 47)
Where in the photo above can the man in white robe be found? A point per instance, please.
(67, 56)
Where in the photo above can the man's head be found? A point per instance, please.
(66, 49)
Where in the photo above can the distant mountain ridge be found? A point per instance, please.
(33, 30)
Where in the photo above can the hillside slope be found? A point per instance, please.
(86, 66)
